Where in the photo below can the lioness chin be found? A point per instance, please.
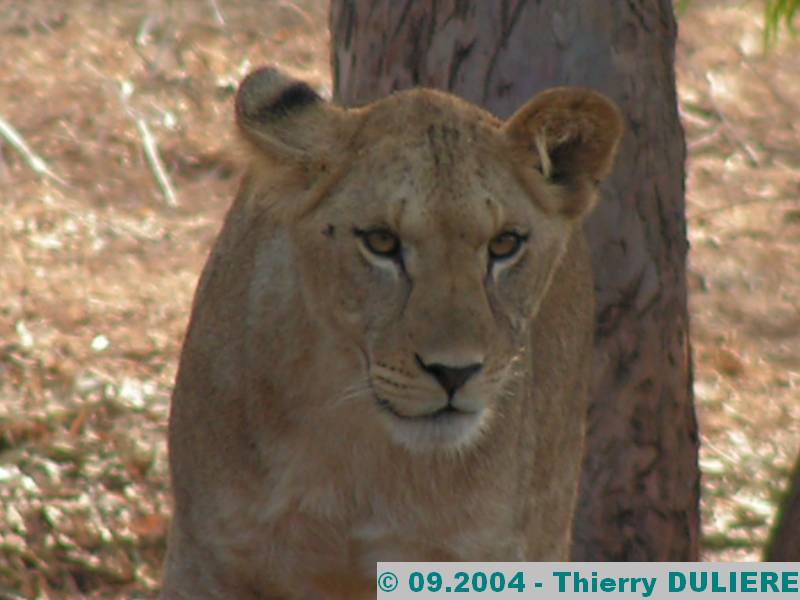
(389, 347)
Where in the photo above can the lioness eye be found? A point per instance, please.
(505, 245)
(380, 241)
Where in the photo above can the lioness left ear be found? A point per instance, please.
(287, 120)
(571, 134)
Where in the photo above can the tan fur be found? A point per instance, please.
(290, 479)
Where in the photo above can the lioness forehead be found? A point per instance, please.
(437, 181)
(424, 160)
(445, 121)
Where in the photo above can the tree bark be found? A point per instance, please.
(640, 486)
(784, 545)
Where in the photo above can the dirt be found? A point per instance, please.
(97, 269)
(739, 107)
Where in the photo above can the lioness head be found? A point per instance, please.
(425, 233)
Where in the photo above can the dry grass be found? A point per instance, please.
(96, 276)
(740, 110)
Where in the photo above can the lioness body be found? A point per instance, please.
(313, 432)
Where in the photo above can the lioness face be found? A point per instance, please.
(436, 268)
(427, 238)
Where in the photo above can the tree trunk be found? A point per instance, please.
(640, 486)
(784, 545)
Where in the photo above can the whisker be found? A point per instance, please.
(352, 392)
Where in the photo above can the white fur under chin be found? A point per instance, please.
(450, 432)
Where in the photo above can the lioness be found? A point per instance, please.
(389, 346)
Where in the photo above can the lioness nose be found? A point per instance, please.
(450, 378)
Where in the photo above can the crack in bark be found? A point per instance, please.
(507, 27)
(414, 61)
(461, 54)
(639, 13)
(432, 22)
(609, 318)
(402, 19)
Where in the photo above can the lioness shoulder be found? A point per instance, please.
(389, 347)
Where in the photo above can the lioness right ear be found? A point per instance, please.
(571, 135)
(285, 118)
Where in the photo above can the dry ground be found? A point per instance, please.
(96, 274)
(739, 108)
